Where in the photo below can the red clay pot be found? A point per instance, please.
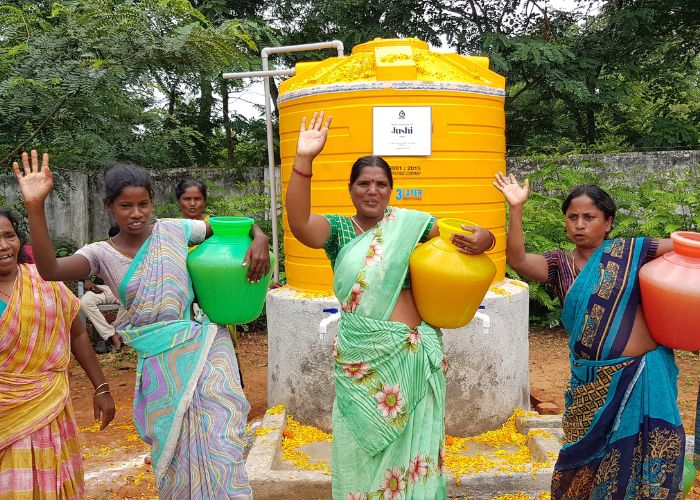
(670, 288)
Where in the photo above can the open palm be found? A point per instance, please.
(312, 139)
(514, 193)
(35, 181)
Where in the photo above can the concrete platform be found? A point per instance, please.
(272, 477)
(486, 363)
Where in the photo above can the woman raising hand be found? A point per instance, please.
(388, 416)
(196, 418)
(623, 432)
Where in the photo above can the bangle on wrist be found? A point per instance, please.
(303, 174)
(493, 242)
(101, 386)
(101, 393)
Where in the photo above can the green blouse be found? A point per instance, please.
(343, 232)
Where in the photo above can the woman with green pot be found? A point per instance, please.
(193, 417)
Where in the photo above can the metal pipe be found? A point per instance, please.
(333, 44)
(266, 73)
(258, 74)
(338, 45)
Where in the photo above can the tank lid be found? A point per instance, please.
(405, 61)
(390, 42)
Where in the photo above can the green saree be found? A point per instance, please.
(388, 417)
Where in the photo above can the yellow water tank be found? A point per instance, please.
(437, 118)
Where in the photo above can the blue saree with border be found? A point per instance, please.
(623, 432)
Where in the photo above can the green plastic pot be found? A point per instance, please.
(219, 277)
(688, 476)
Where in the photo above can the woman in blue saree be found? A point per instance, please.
(188, 401)
(623, 432)
(388, 417)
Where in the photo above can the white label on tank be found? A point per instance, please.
(402, 131)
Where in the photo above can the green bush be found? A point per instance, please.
(653, 206)
(64, 247)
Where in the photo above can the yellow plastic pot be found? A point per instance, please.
(447, 285)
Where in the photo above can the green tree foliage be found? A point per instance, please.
(101, 80)
(355, 21)
(623, 78)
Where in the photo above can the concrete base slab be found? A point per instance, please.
(272, 477)
(526, 423)
(488, 362)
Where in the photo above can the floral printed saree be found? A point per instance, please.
(623, 432)
(388, 418)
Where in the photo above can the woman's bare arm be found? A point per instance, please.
(529, 265)
(103, 404)
(35, 183)
(309, 228)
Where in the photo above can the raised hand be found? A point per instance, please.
(35, 181)
(312, 139)
(515, 194)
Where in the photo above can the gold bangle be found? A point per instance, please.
(101, 386)
(100, 393)
(493, 242)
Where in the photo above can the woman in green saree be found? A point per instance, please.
(388, 417)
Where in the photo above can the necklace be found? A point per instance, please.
(575, 257)
(117, 249)
(362, 231)
(9, 296)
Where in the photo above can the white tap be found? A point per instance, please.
(323, 325)
(485, 320)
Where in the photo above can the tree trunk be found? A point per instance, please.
(204, 126)
(579, 123)
(230, 145)
(172, 100)
(592, 85)
(274, 93)
(590, 126)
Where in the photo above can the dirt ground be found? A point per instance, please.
(116, 461)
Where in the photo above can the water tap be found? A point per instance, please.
(323, 325)
(485, 319)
